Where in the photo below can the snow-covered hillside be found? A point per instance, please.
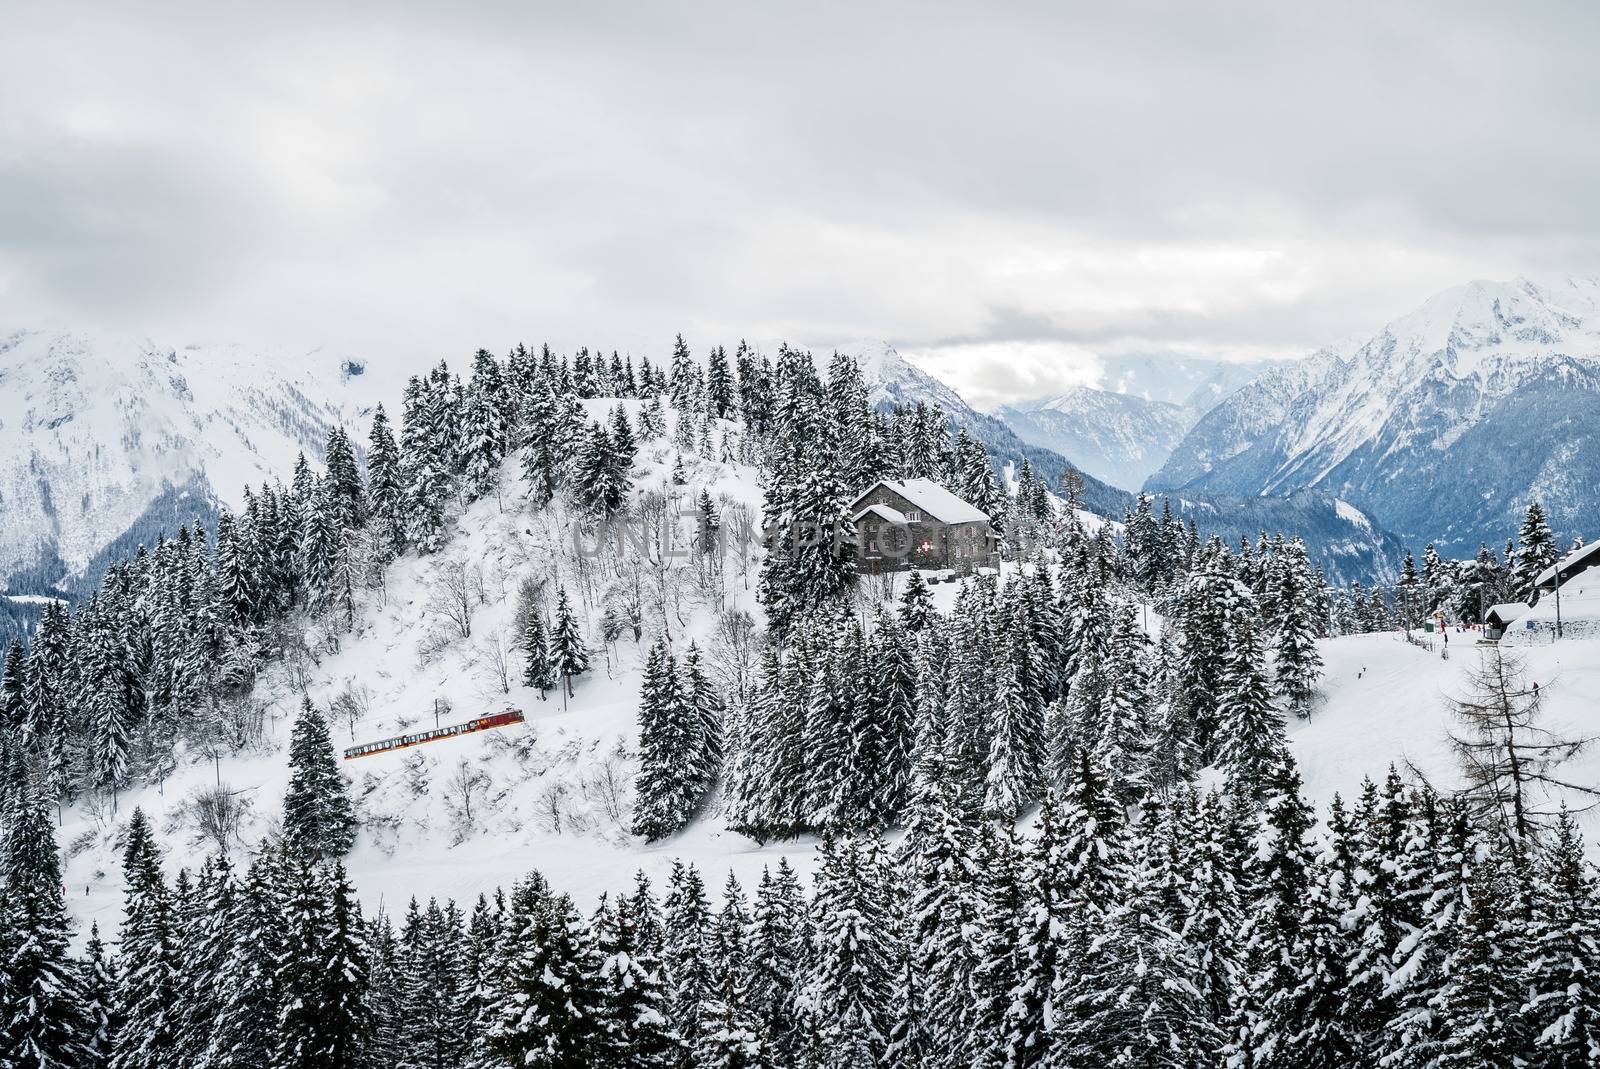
(95, 428)
(1386, 700)
(461, 816)
(1443, 426)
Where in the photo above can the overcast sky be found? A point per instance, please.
(1001, 192)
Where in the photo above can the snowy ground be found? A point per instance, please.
(1386, 700)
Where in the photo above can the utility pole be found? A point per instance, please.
(1558, 601)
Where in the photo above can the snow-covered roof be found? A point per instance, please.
(893, 515)
(1567, 563)
(933, 499)
(1507, 611)
(1578, 599)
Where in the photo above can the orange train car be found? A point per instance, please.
(400, 742)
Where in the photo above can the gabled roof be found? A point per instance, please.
(893, 515)
(1506, 611)
(1580, 556)
(931, 498)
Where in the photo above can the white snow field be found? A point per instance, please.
(551, 794)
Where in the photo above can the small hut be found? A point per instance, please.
(1500, 617)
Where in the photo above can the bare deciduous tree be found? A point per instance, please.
(732, 652)
(741, 531)
(465, 789)
(606, 789)
(453, 590)
(1510, 760)
(530, 601)
(351, 705)
(218, 813)
(552, 807)
(494, 652)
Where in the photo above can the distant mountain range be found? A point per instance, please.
(1442, 426)
(1124, 432)
(1116, 437)
(1348, 544)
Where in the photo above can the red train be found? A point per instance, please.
(400, 742)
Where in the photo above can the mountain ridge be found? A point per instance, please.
(1443, 425)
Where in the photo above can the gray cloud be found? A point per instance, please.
(1004, 193)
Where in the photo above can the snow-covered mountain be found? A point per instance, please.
(1346, 543)
(1120, 438)
(892, 380)
(1442, 426)
(98, 430)
(1341, 539)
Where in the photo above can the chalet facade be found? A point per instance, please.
(1577, 562)
(917, 523)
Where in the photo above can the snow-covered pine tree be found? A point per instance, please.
(708, 709)
(1016, 751)
(435, 994)
(1480, 1001)
(385, 496)
(779, 938)
(686, 951)
(730, 1036)
(321, 975)
(538, 669)
(568, 652)
(98, 992)
(319, 819)
(149, 993)
(1296, 663)
(1562, 1011)
(483, 439)
(43, 1024)
(893, 692)
(684, 382)
(347, 494)
(975, 478)
(1536, 551)
(634, 993)
(245, 1031)
(549, 1012)
(600, 479)
(669, 731)
(543, 458)
(205, 929)
(916, 604)
(385, 978)
(1137, 1001)
(941, 874)
(1250, 735)
(1123, 727)
(1038, 1006)
(844, 1002)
